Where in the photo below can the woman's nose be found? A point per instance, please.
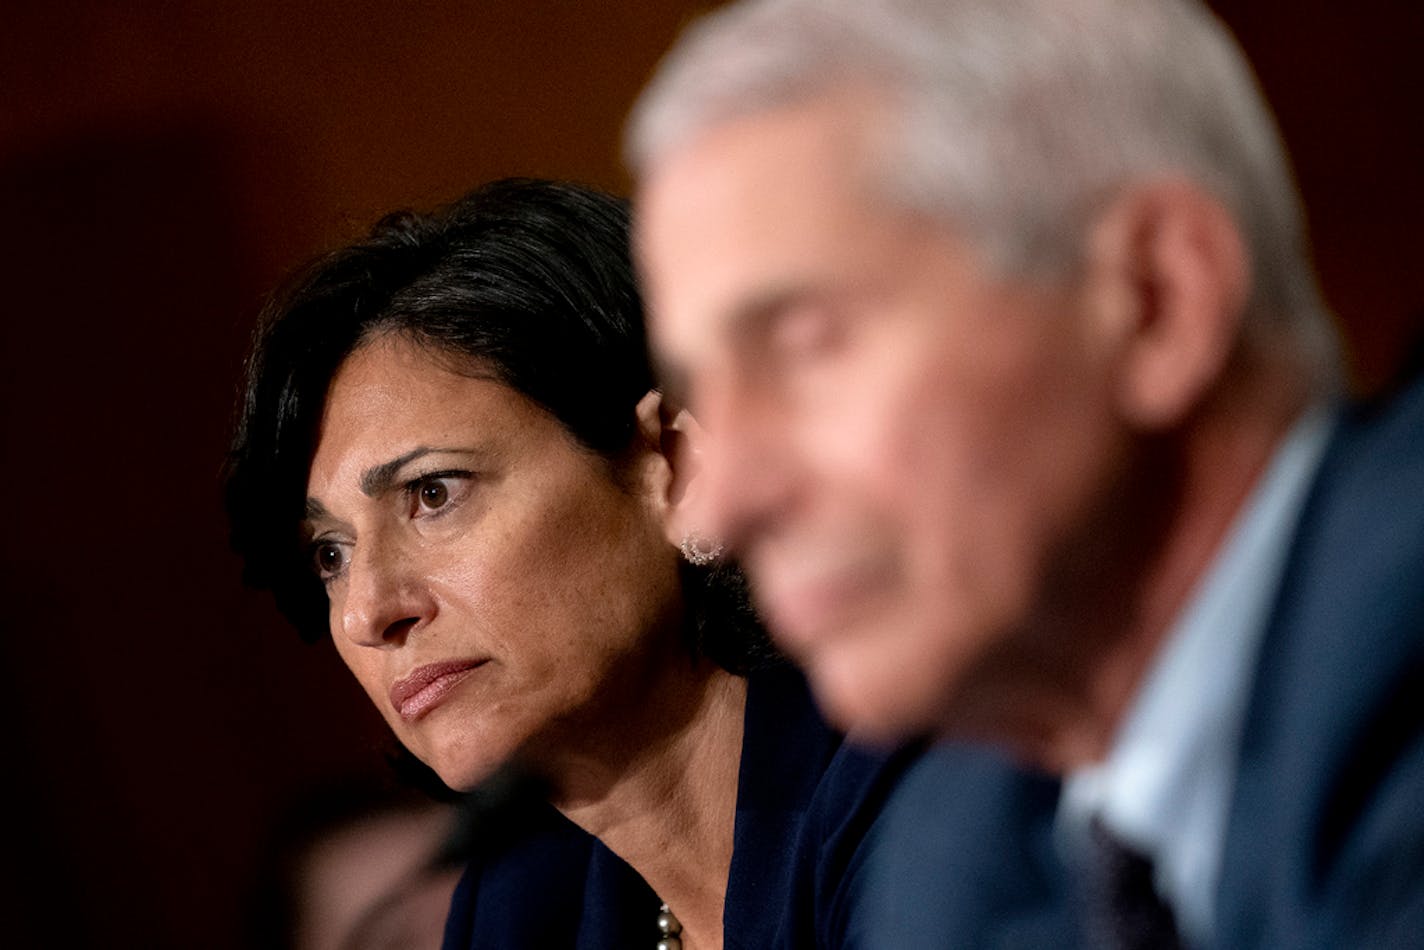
(384, 596)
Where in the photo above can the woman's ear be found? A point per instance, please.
(678, 441)
(654, 465)
(1169, 277)
(682, 444)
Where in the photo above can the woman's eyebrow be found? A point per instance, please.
(379, 478)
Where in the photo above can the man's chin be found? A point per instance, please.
(868, 700)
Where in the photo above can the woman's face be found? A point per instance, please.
(492, 587)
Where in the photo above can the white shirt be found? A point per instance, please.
(1165, 787)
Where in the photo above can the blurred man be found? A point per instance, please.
(1022, 413)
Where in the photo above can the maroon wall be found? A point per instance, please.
(161, 166)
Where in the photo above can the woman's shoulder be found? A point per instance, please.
(527, 885)
(544, 882)
(794, 760)
(808, 807)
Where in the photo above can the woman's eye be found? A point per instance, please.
(434, 494)
(329, 559)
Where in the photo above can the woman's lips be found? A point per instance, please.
(416, 694)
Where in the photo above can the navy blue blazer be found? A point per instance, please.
(806, 807)
(1325, 845)
(1325, 840)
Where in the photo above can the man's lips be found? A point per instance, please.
(806, 608)
(416, 694)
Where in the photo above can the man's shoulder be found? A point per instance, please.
(1327, 837)
(965, 856)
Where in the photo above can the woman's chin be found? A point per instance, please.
(466, 777)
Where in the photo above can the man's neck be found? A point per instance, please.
(1222, 455)
(1068, 680)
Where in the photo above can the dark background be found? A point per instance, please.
(162, 166)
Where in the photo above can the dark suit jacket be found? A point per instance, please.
(1325, 846)
(806, 804)
(1325, 841)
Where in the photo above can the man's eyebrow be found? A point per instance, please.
(744, 325)
(751, 318)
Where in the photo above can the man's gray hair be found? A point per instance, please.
(1015, 120)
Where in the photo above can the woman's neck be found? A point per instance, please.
(668, 808)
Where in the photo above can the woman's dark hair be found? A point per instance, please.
(528, 280)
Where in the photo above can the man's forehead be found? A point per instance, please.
(834, 132)
(735, 218)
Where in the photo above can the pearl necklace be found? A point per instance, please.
(668, 929)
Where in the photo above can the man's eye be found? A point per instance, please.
(329, 559)
(803, 331)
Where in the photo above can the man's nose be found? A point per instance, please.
(744, 468)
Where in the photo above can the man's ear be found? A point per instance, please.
(1168, 279)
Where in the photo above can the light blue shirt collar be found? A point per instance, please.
(1166, 784)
